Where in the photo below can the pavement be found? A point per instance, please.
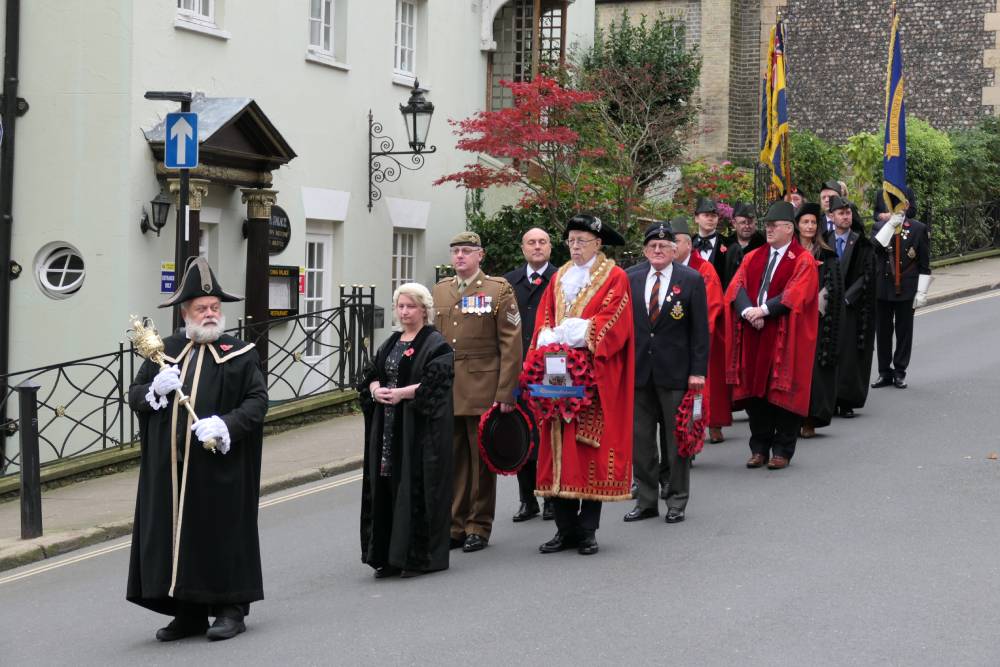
(101, 509)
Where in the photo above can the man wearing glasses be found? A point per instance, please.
(771, 321)
(478, 316)
(588, 460)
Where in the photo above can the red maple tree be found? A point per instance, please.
(532, 143)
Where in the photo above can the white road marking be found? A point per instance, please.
(126, 542)
(958, 302)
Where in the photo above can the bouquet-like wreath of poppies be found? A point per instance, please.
(580, 371)
(688, 432)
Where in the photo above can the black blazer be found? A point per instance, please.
(717, 258)
(915, 260)
(528, 297)
(676, 345)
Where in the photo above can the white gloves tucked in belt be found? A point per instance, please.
(572, 332)
(166, 381)
(213, 427)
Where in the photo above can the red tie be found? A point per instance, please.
(654, 299)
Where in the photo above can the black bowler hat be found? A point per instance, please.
(836, 201)
(681, 225)
(584, 222)
(744, 210)
(198, 280)
(832, 185)
(808, 208)
(658, 230)
(705, 205)
(780, 211)
(506, 440)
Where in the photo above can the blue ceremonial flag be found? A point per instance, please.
(894, 156)
(774, 114)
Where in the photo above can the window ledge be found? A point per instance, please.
(183, 23)
(407, 80)
(327, 60)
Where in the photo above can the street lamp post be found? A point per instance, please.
(383, 165)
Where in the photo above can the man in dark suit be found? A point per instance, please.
(529, 282)
(670, 312)
(709, 243)
(744, 239)
(830, 189)
(894, 306)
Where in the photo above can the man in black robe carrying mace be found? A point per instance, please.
(195, 546)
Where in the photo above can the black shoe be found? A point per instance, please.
(526, 511)
(639, 513)
(847, 413)
(882, 381)
(474, 543)
(900, 383)
(558, 543)
(456, 542)
(410, 574)
(634, 490)
(181, 627)
(588, 545)
(674, 515)
(548, 511)
(225, 628)
(386, 571)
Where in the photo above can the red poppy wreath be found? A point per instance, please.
(581, 374)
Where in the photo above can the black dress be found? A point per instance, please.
(407, 486)
(823, 396)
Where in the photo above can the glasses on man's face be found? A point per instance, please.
(656, 246)
(579, 243)
(464, 251)
(775, 225)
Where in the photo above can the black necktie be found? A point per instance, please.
(704, 242)
(767, 278)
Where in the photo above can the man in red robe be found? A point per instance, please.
(716, 395)
(771, 326)
(588, 460)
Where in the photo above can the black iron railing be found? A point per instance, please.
(82, 406)
(963, 230)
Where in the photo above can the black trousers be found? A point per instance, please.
(894, 316)
(195, 610)
(526, 482)
(577, 517)
(773, 430)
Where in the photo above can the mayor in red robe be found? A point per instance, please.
(771, 326)
(588, 460)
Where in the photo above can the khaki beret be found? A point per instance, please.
(466, 238)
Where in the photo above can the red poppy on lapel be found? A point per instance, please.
(791, 255)
(225, 347)
(409, 352)
(722, 248)
(677, 289)
(536, 281)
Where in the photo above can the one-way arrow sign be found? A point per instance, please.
(181, 141)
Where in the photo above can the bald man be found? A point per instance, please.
(529, 282)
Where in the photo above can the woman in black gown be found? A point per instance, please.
(823, 397)
(407, 402)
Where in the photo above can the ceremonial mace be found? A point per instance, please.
(149, 345)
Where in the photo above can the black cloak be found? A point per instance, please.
(406, 518)
(823, 396)
(857, 329)
(218, 551)
(735, 254)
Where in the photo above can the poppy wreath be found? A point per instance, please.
(580, 371)
(689, 433)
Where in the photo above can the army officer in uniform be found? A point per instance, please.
(478, 316)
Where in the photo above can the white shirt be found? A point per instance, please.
(705, 254)
(781, 253)
(575, 279)
(665, 274)
(686, 260)
(541, 272)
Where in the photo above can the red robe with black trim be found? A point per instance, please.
(591, 457)
(716, 395)
(775, 362)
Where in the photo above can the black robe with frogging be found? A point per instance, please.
(823, 396)
(406, 518)
(218, 551)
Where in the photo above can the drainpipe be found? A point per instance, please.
(10, 107)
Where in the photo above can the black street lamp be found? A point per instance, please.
(160, 207)
(382, 164)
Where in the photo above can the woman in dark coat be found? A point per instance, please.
(823, 399)
(407, 401)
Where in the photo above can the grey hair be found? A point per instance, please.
(418, 293)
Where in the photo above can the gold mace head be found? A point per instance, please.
(145, 339)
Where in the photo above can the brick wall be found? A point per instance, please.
(837, 52)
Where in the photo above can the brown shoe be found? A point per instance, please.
(777, 463)
(715, 435)
(807, 431)
(756, 461)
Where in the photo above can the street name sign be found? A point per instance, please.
(181, 141)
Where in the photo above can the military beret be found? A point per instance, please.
(466, 238)
(658, 230)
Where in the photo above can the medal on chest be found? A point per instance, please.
(911, 253)
(677, 312)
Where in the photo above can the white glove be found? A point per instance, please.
(212, 427)
(547, 337)
(167, 380)
(822, 301)
(574, 331)
(885, 234)
(923, 282)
